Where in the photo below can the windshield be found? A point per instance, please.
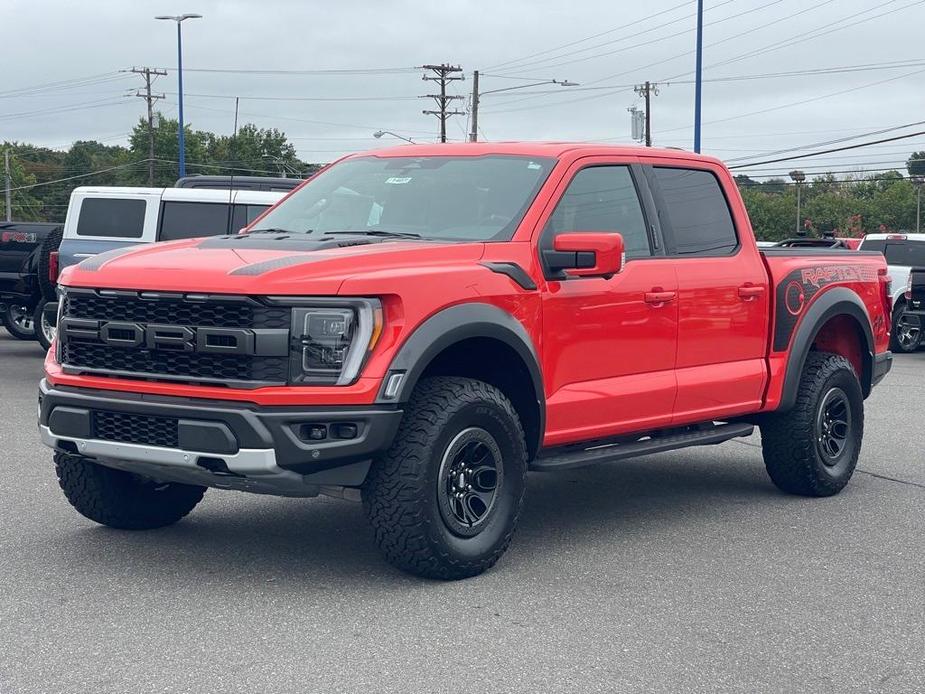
(448, 198)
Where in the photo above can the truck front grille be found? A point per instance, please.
(141, 429)
(221, 340)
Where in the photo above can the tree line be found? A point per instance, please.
(43, 179)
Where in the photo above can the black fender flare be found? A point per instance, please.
(453, 325)
(834, 302)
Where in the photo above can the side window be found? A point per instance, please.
(111, 217)
(188, 220)
(242, 215)
(602, 198)
(695, 211)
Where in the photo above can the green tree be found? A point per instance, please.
(916, 164)
(23, 203)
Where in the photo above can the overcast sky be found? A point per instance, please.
(605, 45)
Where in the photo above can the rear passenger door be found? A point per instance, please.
(723, 293)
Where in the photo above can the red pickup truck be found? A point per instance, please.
(418, 327)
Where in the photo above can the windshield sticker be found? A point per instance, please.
(534, 166)
(397, 180)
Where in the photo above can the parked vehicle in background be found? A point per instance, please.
(902, 253)
(27, 254)
(268, 183)
(835, 243)
(418, 326)
(915, 303)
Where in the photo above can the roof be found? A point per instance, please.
(529, 149)
(254, 197)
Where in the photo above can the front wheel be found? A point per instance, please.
(444, 500)
(812, 449)
(907, 330)
(122, 499)
(44, 331)
(17, 319)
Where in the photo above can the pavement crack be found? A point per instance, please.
(892, 479)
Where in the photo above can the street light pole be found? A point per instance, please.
(798, 178)
(477, 95)
(698, 86)
(379, 133)
(181, 139)
(918, 182)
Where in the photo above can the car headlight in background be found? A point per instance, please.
(331, 340)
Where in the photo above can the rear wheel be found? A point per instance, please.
(444, 500)
(44, 331)
(121, 499)
(17, 319)
(907, 330)
(812, 449)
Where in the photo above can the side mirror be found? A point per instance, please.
(585, 254)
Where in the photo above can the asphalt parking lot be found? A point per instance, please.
(678, 572)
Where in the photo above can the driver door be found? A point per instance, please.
(609, 344)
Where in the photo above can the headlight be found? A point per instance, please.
(331, 340)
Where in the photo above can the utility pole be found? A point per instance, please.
(9, 185)
(646, 91)
(474, 115)
(442, 75)
(149, 74)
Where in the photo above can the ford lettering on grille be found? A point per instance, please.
(171, 337)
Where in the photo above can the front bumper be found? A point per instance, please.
(222, 444)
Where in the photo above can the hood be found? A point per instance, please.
(259, 263)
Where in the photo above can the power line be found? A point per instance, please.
(589, 38)
(829, 151)
(336, 72)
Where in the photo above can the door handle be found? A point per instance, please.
(659, 298)
(750, 293)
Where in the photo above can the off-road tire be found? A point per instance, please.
(790, 441)
(401, 496)
(14, 328)
(38, 320)
(51, 243)
(120, 499)
(898, 344)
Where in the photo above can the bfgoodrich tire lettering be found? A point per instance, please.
(120, 499)
(812, 449)
(413, 525)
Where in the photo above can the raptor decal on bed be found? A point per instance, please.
(800, 286)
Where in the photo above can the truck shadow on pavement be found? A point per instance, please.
(312, 544)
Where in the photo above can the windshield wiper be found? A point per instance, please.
(376, 232)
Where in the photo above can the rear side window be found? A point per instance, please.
(695, 212)
(189, 220)
(111, 217)
(602, 198)
(911, 253)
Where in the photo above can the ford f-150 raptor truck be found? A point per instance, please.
(418, 327)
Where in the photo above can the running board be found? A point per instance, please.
(563, 459)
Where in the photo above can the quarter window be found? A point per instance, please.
(111, 217)
(602, 198)
(695, 211)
